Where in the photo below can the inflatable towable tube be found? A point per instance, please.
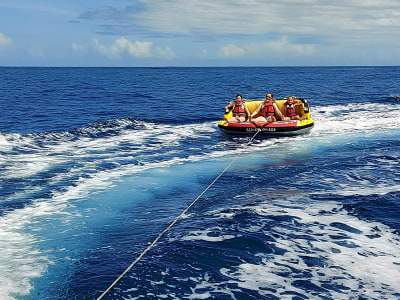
(278, 128)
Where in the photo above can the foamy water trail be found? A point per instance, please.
(36, 153)
(324, 251)
(95, 158)
(350, 118)
(19, 252)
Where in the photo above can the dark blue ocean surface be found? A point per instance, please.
(96, 162)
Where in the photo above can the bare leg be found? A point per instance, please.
(301, 118)
(232, 120)
(236, 119)
(259, 120)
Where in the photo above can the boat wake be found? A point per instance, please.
(309, 248)
(44, 176)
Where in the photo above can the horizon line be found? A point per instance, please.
(278, 66)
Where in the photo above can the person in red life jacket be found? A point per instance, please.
(266, 111)
(290, 109)
(240, 112)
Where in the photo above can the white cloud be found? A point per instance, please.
(101, 48)
(350, 20)
(5, 41)
(136, 49)
(279, 46)
(230, 51)
(165, 53)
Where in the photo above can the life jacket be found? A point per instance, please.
(239, 110)
(290, 109)
(267, 109)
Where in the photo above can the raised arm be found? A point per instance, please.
(228, 106)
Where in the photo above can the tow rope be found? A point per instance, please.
(176, 219)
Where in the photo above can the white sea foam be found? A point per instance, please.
(26, 166)
(13, 225)
(365, 189)
(18, 265)
(62, 148)
(204, 289)
(208, 234)
(343, 256)
(340, 119)
(4, 144)
(20, 259)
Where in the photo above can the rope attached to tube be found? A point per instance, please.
(174, 221)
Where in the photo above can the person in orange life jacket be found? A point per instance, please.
(239, 110)
(266, 111)
(290, 109)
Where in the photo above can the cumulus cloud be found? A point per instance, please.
(166, 53)
(135, 49)
(99, 47)
(230, 51)
(5, 41)
(282, 45)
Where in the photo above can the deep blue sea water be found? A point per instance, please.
(96, 162)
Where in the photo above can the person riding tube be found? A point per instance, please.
(290, 109)
(265, 112)
(240, 112)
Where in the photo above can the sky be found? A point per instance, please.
(150, 33)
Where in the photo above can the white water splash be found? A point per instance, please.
(331, 122)
(342, 256)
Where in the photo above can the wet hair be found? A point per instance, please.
(239, 95)
(272, 95)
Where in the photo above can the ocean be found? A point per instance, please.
(96, 162)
